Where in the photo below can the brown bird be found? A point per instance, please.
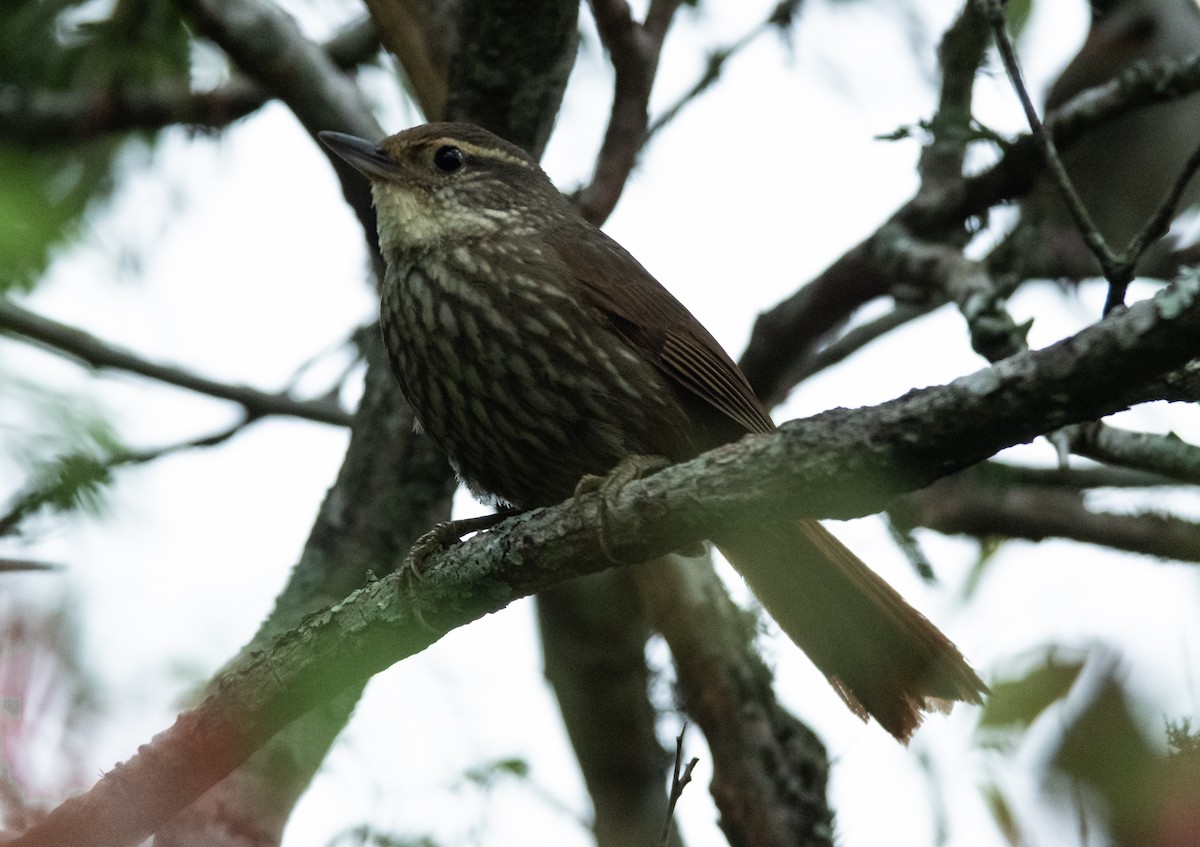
(535, 350)
(1124, 168)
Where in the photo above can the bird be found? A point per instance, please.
(536, 351)
(1122, 169)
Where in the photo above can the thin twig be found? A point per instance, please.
(1154, 229)
(993, 10)
(32, 499)
(965, 505)
(1167, 455)
(858, 337)
(679, 780)
(780, 18)
(911, 549)
(634, 50)
(41, 116)
(81, 346)
(8, 565)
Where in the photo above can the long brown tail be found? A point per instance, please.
(883, 657)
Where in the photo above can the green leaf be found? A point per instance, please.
(1016, 703)
(64, 447)
(54, 47)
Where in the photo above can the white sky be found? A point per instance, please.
(251, 264)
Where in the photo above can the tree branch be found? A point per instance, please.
(634, 49)
(841, 463)
(769, 770)
(963, 505)
(265, 42)
(61, 117)
(1167, 455)
(781, 18)
(72, 343)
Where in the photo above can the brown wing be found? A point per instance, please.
(653, 321)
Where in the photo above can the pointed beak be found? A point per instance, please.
(365, 157)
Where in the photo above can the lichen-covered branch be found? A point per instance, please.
(841, 463)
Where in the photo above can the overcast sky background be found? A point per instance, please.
(235, 257)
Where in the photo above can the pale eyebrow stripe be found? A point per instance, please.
(484, 152)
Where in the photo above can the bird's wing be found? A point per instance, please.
(653, 321)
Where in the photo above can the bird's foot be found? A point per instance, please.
(609, 486)
(444, 535)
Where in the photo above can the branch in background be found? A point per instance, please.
(1001, 474)
(511, 64)
(963, 505)
(781, 18)
(966, 283)
(76, 344)
(1167, 455)
(407, 32)
(853, 280)
(267, 44)
(960, 54)
(593, 633)
(10, 565)
(1021, 163)
(785, 335)
(840, 463)
(33, 498)
(60, 117)
(1117, 269)
(634, 49)
(769, 770)
(993, 11)
(856, 338)
(680, 777)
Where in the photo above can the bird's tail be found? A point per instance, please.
(882, 655)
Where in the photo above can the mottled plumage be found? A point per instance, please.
(534, 350)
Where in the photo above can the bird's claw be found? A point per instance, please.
(441, 537)
(609, 486)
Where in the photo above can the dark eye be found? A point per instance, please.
(449, 158)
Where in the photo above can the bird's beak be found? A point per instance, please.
(365, 157)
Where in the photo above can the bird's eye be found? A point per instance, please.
(449, 158)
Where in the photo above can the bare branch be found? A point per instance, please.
(405, 31)
(781, 16)
(265, 42)
(33, 498)
(76, 344)
(11, 565)
(962, 505)
(785, 335)
(993, 10)
(1166, 455)
(680, 777)
(853, 340)
(769, 770)
(58, 117)
(960, 54)
(634, 49)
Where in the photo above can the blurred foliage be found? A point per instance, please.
(63, 447)
(365, 836)
(1149, 798)
(1101, 762)
(486, 775)
(1016, 703)
(1017, 12)
(87, 49)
